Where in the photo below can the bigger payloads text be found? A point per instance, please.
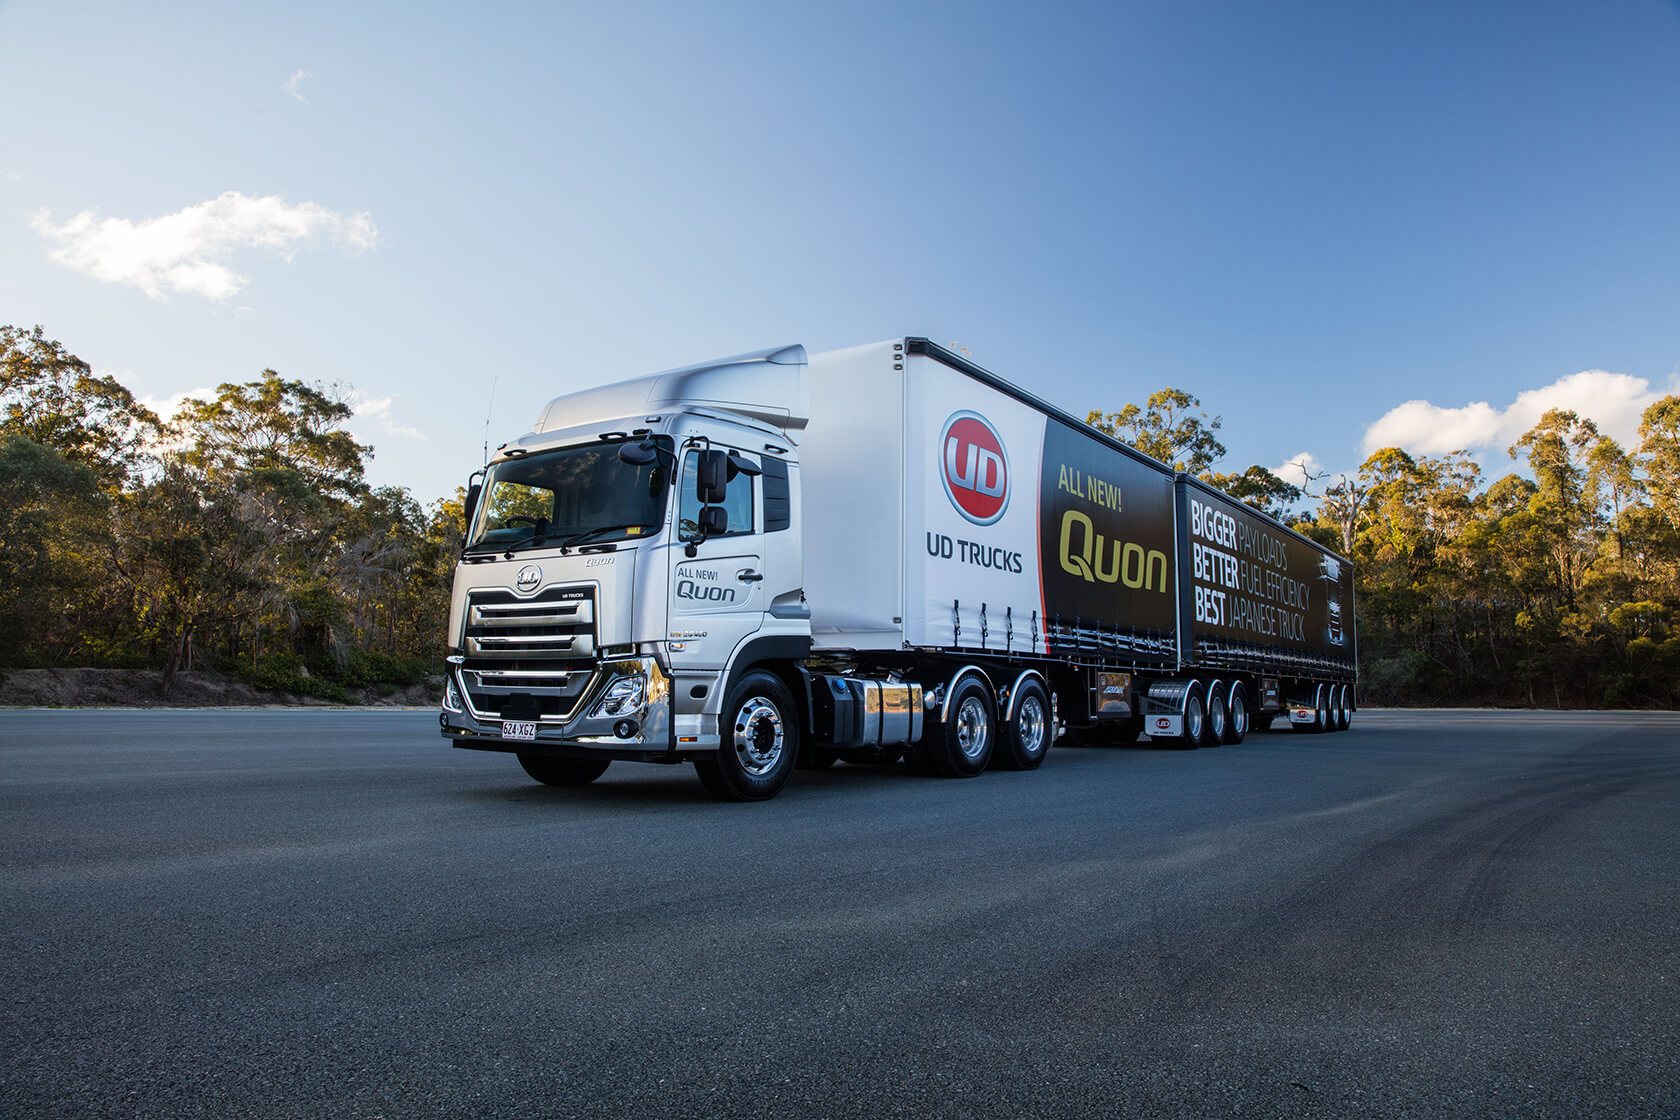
(1241, 577)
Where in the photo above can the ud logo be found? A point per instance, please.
(974, 467)
(528, 578)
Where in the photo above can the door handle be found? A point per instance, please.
(747, 575)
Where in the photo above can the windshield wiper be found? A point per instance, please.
(598, 531)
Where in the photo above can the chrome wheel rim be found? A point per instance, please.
(758, 736)
(1195, 716)
(1032, 724)
(971, 727)
(1239, 715)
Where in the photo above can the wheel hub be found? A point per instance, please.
(1031, 721)
(758, 736)
(971, 727)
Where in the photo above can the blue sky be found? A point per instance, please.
(1307, 214)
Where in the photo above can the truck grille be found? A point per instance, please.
(559, 623)
(528, 659)
(521, 692)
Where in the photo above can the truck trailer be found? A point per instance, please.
(872, 554)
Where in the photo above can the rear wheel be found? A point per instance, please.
(1237, 725)
(962, 745)
(1026, 735)
(1195, 722)
(563, 771)
(1325, 721)
(760, 741)
(1344, 707)
(1219, 715)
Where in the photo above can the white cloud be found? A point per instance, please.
(377, 410)
(167, 407)
(187, 251)
(1612, 400)
(294, 81)
(1299, 466)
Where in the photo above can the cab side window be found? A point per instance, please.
(737, 502)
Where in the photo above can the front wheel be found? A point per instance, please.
(962, 744)
(1026, 737)
(563, 771)
(759, 735)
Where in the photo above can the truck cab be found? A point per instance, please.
(619, 558)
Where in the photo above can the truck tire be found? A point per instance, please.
(563, 771)
(1195, 722)
(1236, 701)
(1218, 714)
(1321, 710)
(759, 733)
(1324, 721)
(1344, 709)
(962, 744)
(1026, 737)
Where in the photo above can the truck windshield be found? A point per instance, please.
(573, 496)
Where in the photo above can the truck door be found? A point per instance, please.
(717, 594)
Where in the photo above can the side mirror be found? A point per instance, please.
(470, 506)
(713, 477)
(638, 454)
(739, 465)
(714, 521)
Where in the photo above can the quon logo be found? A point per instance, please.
(974, 467)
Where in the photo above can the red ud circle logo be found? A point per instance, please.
(974, 467)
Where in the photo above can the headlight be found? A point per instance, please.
(452, 695)
(624, 695)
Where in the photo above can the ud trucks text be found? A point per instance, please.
(876, 553)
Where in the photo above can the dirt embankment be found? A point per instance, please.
(142, 688)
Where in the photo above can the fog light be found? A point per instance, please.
(625, 729)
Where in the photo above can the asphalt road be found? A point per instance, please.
(313, 914)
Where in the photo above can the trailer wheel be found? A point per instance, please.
(1026, 737)
(963, 745)
(1218, 715)
(563, 771)
(1324, 720)
(1342, 712)
(760, 741)
(1195, 722)
(1236, 727)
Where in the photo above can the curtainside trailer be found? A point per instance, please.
(869, 554)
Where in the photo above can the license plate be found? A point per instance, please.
(514, 730)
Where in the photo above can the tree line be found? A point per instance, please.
(241, 535)
(1557, 587)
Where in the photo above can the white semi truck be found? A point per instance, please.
(870, 554)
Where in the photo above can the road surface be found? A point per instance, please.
(333, 913)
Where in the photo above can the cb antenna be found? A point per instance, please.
(487, 410)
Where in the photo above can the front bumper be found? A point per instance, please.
(596, 726)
